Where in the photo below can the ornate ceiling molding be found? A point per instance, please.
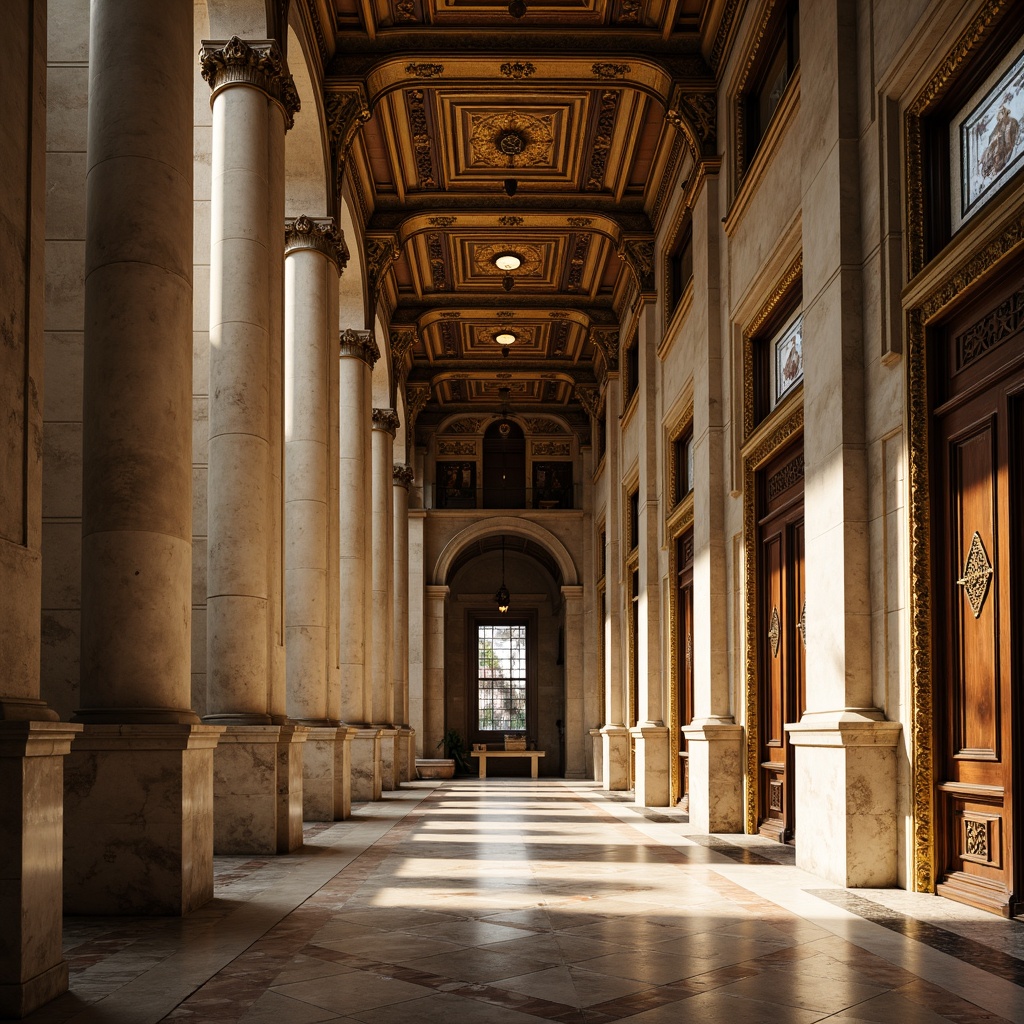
(695, 114)
(347, 110)
(638, 255)
(381, 252)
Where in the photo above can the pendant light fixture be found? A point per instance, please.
(503, 597)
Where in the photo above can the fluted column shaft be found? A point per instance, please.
(313, 257)
(402, 476)
(358, 352)
(385, 423)
(137, 423)
(253, 102)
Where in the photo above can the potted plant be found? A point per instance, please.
(455, 748)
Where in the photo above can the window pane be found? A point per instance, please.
(501, 678)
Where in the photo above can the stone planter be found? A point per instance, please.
(435, 767)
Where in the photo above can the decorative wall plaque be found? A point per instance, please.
(977, 575)
(774, 632)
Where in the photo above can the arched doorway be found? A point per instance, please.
(504, 465)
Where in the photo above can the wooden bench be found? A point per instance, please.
(484, 754)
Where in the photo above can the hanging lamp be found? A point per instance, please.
(503, 597)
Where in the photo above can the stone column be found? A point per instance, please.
(433, 669)
(142, 747)
(575, 731)
(385, 423)
(254, 101)
(614, 736)
(357, 354)
(33, 744)
(314, 256)
(417, 645)
(845, 752)
(402, 476)
(713, 739)
(650, 734)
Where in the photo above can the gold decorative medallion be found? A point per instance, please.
(977, 575)
(801, 624)
(774, 632)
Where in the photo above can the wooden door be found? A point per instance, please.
(684, 655)
(780, 626)
(504, 484)
(978, 449)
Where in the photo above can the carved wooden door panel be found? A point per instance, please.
(780, 635)
(684, 653)
(979, 460)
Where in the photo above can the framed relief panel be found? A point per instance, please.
(987, 138)
(787, 360)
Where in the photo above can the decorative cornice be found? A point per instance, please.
(319, 234)
(402, 474)
(359, 344)
(589, 396)
(385, 419)
(607, 341)
(259, 64)
(638, 255)
(416, 398)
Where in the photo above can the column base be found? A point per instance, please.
(406, 754)
(343, 773)
(715, 749)
(318, 765)
(615, 758)
(365, 775)
(138, 819)
(651, 784)
(32, 968)
(389, 778)
(257, 789)
(846, 786)
(596, 755)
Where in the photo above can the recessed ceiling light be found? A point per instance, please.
(508, 261)
(505, 338)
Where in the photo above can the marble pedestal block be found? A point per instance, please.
(318, 763)
(651, 784)
(257, 789)
(596, 755)
(343, 773)
(32, 969)
(406, 754)
(365, 774)
(846, 789)
(716, 775)
(615, 757)
(138, 819)
(389, 769)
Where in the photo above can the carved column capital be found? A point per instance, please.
(385, 419)
(403, 474)
(359, 344)
(317, 233)
(259, 63)
(638, 255)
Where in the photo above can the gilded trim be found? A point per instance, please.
(682, 520)
(926, 100)
(972, 271)
(737, 98)
(794, 272)
(776, 434)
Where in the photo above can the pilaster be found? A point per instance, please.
(715, 751)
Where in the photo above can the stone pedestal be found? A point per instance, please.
(597, 755)
(615, 757)
(318, 764)
(365, 770)
(32, 969)
(389, 769)
(406, 754)
(716, 775)
(258, 789)
(138, 811)
(651, 784)
(343, 773)
(845, 790)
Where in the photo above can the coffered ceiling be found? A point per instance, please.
(464, 133)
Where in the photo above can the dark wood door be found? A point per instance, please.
(781, 616)
(684, 655)
(978, 448)
(504, 484)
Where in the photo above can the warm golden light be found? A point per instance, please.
(508, 261)
(505, 338)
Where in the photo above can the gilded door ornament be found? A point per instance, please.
(689, 652)
(774, 632)
(801, 624)
(977, 575)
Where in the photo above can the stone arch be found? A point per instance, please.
(352, 292)
(307, 160)
(508, 525)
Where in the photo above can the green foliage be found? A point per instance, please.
(455, 748)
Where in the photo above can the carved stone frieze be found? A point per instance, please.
(638, 255)
(424, 70)
(578, 261)
(456, 447)
(607, 341)
(319, 234)
(402, 474)
(416, 398)
(518, 69)
(510, 220)
(551, 448)
(467, 425)
(385, 419)
(540, 425)
(415, 103)
(441, 222)
(559, 338)
(380, 254)
(695, 115)
(602, 144)
(609, 70)
(359, 344)
(438, 265)
(346, 111)
(449, 339)
(589, 397)
(259, 63)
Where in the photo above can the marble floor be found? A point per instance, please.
(510, 901)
